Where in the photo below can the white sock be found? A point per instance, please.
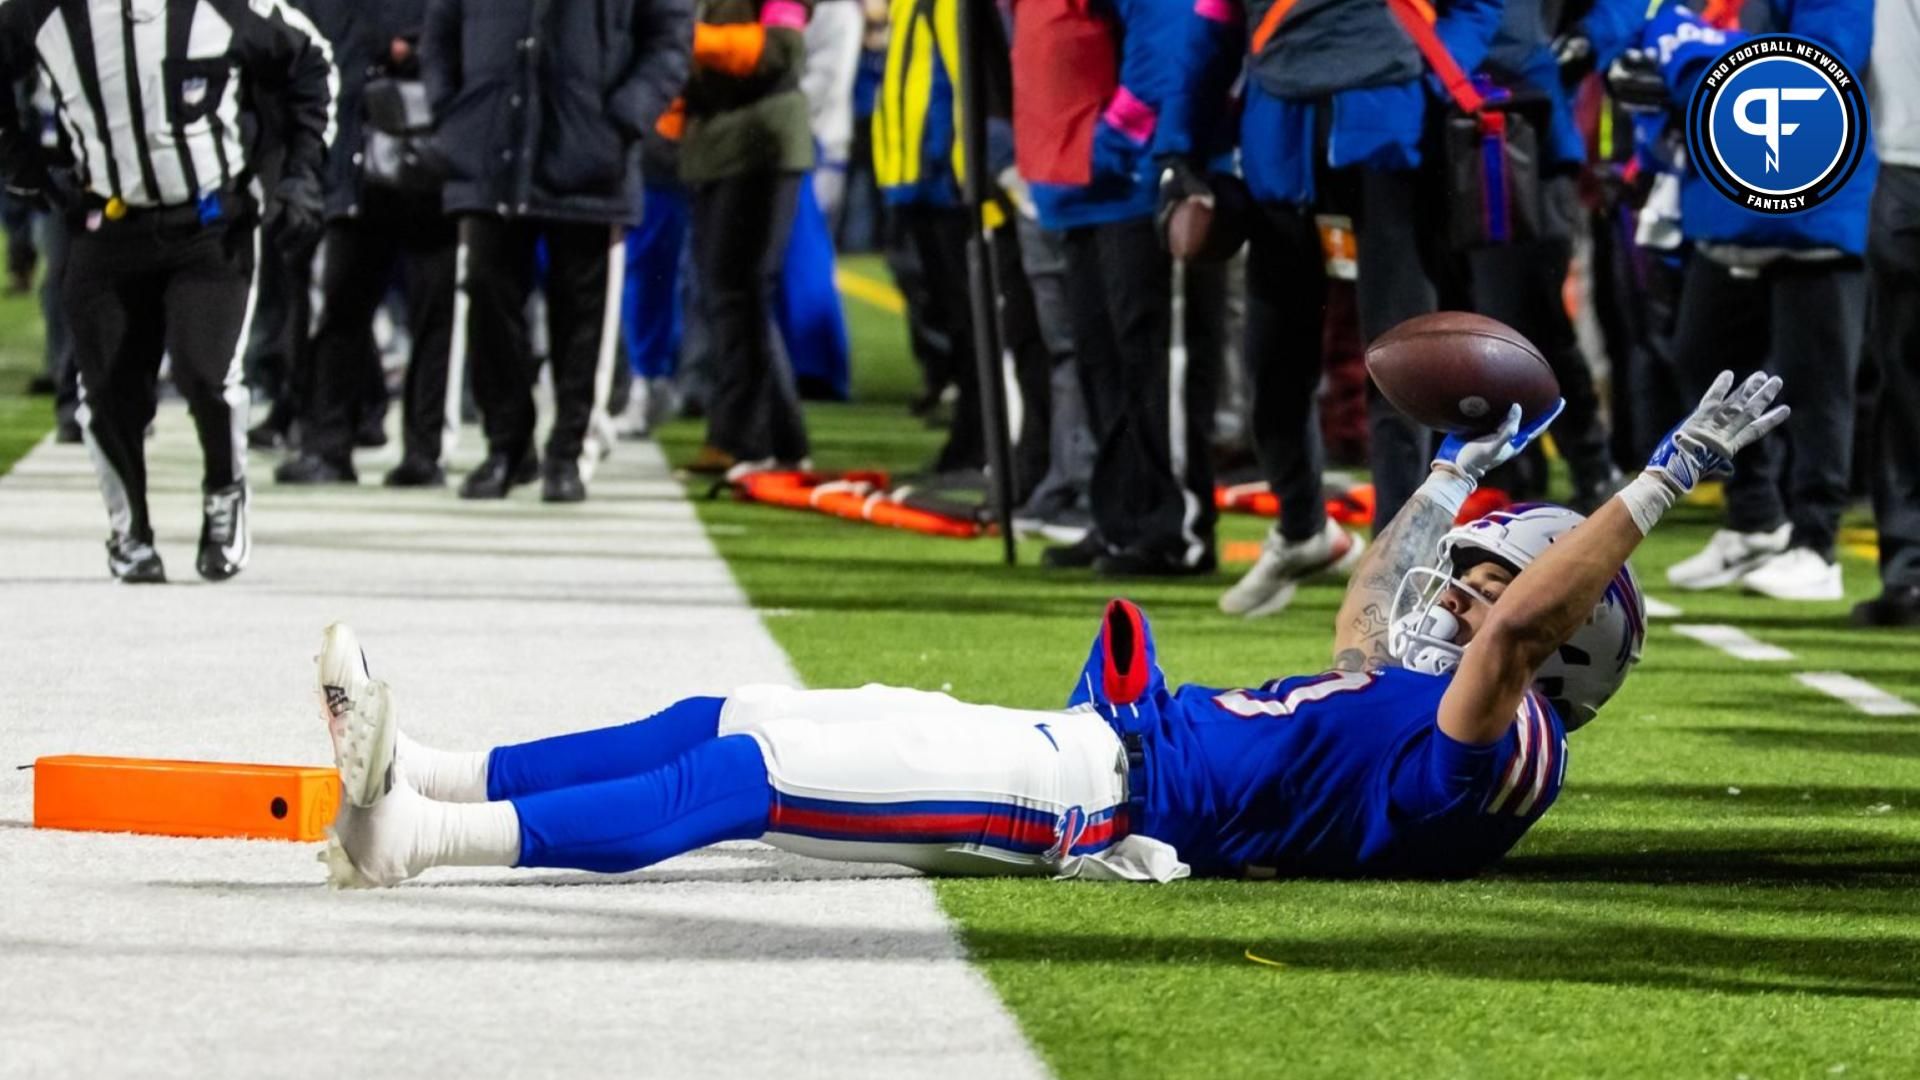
(472, 834)
(406, 832)
(455, 776)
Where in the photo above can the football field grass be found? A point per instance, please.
(23, 419)
(1729, 886)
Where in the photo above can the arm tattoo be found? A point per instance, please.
(1409, 540)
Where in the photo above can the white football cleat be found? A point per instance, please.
(371, 843)
(362, 749)
(1269, 586)
(1727, 558)
(1795, 574)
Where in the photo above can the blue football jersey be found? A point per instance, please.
(1337, 774)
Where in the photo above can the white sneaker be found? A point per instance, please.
(372, 843)
(636, 420)
(1727, 558)
(1795, 574)
(363, 738)
(1269, 586)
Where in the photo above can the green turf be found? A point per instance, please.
(23, 419)
(1729, 887)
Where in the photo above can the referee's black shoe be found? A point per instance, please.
(499, 474)
(134, 562)
(311, 468)
(225, 542)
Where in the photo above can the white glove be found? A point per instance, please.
(1473, 459)
(1704, 444)
(1461, 463)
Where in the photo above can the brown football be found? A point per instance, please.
(1460, 372)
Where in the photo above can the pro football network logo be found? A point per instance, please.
(1778, 124)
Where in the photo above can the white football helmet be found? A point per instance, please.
(1584, 673)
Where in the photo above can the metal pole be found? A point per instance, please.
(980, 292)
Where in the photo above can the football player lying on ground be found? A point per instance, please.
(1429, 749)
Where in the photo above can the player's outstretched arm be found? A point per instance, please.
(1556, 594)
(1410, 539)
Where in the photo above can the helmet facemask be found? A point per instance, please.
(1422, 633)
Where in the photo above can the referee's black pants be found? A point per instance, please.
(586, 264)
(394, 233)
(138, 289)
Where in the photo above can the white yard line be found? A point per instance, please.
(1858, 693)
(1733, 641)
(1660, 609)
(137, 956)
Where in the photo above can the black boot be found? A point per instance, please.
(560, 482)
(499, 474)
(310, 468)
(1897, 605)
(1075, 556)
(416, 470)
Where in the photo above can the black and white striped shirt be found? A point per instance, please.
(150, 94)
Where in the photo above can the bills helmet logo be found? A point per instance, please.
(1067, 832)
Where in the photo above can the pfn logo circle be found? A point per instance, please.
(1778, 124)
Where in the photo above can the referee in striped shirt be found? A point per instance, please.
(159, 103)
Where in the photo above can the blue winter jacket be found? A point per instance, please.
(1172, 57)
(1688, 46)
(1375, 126)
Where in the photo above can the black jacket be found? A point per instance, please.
(539, 105)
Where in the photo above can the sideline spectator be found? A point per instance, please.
(1893, 274)
(651, 305)
(1097, 103)
(747, 150)
(538, 109)
(383, 210)
(1359, 137)
(1789, 290)
(918, 162)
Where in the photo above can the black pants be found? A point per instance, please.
(1520, 284)
(1636, 302)
(1803, 321)
(1402, 272)
(133, 291)
(939, 239)
(585, 264)
(395, 233)
(740, 228)
(1893, 270)
(1152, 486)
(276, 357)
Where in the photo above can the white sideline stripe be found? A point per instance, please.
(1660, 609)
(497, 622)
(1733, 641)
(1858, 693)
